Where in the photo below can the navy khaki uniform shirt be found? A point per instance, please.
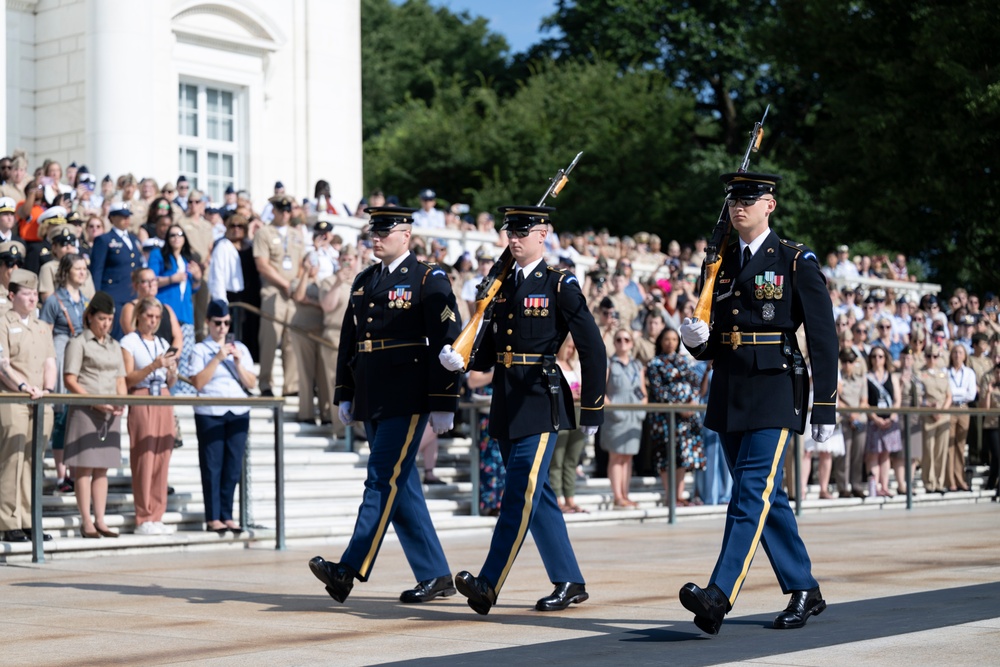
(780, 289)
(534, 319)
(404, 320)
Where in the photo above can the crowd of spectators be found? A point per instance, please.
(164, 251)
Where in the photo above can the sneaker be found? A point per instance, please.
(165, 529)
(148, 528)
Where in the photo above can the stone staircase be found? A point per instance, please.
(323, 488)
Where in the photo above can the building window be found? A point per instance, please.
(209, 127)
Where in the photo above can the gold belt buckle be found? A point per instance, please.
(508, 359)
(736, 339)
(366, 346)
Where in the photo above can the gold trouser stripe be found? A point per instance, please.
(393, 490)
(529, 494)
(763, 515)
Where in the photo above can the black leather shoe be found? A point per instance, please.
(709, 606)
(30, 532)
(425, 591)
(563, 596)
(339, 579)
(481, 595)
(802, 605)
(15, 536)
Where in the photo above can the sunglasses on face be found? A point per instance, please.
(12, 263)
(222, 323)
(884, 326)
(623, 340)
(176, 235)
(522, 234)
(383, 233)
(745, 202)
(194, 201)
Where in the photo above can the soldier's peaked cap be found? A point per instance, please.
(749, 185)
(523, 218)
(384, 218)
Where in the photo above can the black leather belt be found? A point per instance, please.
(390, 344)
(509, 359)
(738, 338)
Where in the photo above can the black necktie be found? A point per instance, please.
(746, 255)
(379, 275)
(518, 277)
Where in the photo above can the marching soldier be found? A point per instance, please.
(401, 312)
(765, 290)
(536, 307)
(277, 251)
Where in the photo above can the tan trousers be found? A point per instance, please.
(151, 432)
(932, 466)
(271, 335)
(17, 431)
(954, 475)
(313, 371)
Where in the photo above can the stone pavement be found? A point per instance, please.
(905, 588)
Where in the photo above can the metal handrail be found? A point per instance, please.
(39, 444)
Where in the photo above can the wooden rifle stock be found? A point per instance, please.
(466, 341)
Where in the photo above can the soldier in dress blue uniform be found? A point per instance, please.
(765, 290)
(115, 255)
(536, 307)
(401, 313)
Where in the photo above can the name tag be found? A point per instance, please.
(276, 240)
(14, 330)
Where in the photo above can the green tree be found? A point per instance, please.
(409, 49)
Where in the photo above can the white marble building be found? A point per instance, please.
(224, 91)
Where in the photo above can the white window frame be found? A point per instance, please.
(214, 185)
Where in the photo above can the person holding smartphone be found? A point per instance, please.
(150, 370)
(222, 368)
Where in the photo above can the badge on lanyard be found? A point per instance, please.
(286, 263)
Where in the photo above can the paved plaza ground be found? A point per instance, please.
(904, 588)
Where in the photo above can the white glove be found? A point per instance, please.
(344, 413)
(822, 432)
(442, 422)
(694, 332)
(451, 359)
(588, 430)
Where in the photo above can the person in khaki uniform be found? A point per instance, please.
(335, 294)
(308, 316)
(277, 251)
(28, 366)
(201, 239)
(937, 428)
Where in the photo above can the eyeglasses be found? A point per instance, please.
(383, 233)
(176, 235)
(745, 202)
(885, 326)
(151, 281)
(623, 340)
(222, 323)
(522, 233)
(238, 226)
(11, 263)
(194, 201)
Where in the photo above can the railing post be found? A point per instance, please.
(37, 462)
(244, 492)
(672, 477)
(908, 467)
(279, 477)
(474, 437)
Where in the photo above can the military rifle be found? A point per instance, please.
(468, 341)
(716, 248)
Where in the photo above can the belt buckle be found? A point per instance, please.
(508, 359)
(736, 339)
(366, 346)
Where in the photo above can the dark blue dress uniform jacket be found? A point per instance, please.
(520, 405)
(402, 379)
(112, 264)
(752, 386)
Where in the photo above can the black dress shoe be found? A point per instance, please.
(802, 605)
(339, 579)
(30, 532)
(709, 606)
(15, 536)
(564, 595)
(427, 590)
(267, 393)
(480, 593)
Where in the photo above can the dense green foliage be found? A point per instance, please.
(885, 117)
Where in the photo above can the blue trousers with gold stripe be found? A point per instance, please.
(759, 513)
(530, 504)
(393, 494)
